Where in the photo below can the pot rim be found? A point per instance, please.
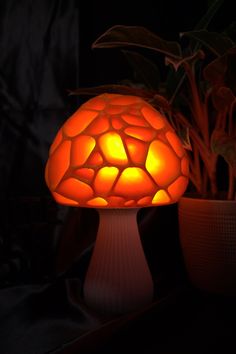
(198, 199)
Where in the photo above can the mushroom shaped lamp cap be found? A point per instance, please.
(116, 151)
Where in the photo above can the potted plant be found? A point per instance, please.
(197, 94)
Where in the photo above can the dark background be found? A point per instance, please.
(45, 50)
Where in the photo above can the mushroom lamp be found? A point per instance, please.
(117, 154)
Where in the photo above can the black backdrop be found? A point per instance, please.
(45, 49)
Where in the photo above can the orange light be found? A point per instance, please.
(117, 151)
(113, 148)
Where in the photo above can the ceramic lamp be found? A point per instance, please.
(117, 153)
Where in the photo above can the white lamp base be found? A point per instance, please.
(118, 279)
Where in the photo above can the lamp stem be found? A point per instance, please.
(118, 279)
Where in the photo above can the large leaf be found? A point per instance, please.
(120, 36)
(224, 145)
(215, 71)
(145, 70)
(222, 71)
(216, 42)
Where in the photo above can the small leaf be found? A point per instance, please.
(120, 89)
(222, 98)
(206, 19)
(120, 36)
(183, 134)
(160, 102)
(230, 31)
(222, 70)
(216, 42)
(224, 145)
(145, 70)
(191, 59)
(215, 71)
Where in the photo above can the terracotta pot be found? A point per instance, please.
(207, 230)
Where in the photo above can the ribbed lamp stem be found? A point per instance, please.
(118, 279)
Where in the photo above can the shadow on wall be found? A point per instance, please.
(38, 40)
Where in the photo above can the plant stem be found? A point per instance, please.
(198, 109)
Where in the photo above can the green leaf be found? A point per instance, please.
(120, 36)
(145, 70)
(216, 42)
(224, 145)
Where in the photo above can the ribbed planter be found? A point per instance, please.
(207, 231)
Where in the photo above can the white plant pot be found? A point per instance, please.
(207, 231)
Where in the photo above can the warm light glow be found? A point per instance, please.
(113, 148)
(117, 123)
(85, 173)
(144, 134)
(78, 122)
(137, 150)
(161, 197)
(74, 189)
(97, 202)
(153, 117)
(114, 109)
(124, 100)
(177, 188)
(162, 163)
(134, 182)
(58, 164)
(175, 143)
(145, 201)
(116, 151)
(81, 149)
(105, 179)
(185, 166)
(62, 200)
(57, 141)
(100, 125)
(134, 120)
(95, 159)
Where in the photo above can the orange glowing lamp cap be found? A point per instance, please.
(116, 151)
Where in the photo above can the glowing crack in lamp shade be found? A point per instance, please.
(117, 153)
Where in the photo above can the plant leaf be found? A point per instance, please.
(120, 89)
(222, 70)
(183, 134)
(145, 70)
(120, 36)
(160, 102)
(215, 71)
(222, 98)
(206, 19)
(218, 43)
(230, 31)
(224, 145)
(178, 62)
